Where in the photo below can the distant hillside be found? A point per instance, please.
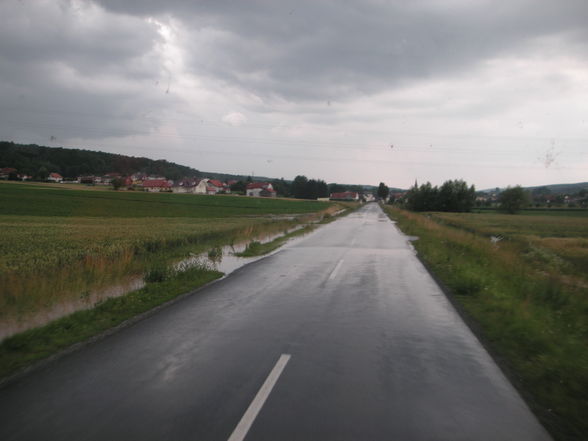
(34, 160)
(553, 188)
(562, 188)
(71, 163)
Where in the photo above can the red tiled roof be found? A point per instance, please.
(55, 175)
(156, 183)
(216, 183)
(344, 195)
(253, 185)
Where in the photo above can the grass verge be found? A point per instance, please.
(527, 313)
(23, 349)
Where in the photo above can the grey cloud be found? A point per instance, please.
(77, 70)
(309, 50)
(68, 69)
(74, 33)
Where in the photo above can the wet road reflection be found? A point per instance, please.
(376, 352)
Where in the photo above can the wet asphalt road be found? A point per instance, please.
(377, 353)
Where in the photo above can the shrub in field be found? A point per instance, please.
(451, 196)
(513, 199)
(159, 273)
(252, 247)
(215, 254)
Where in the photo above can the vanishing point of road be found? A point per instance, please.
(342, 335)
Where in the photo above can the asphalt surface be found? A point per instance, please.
(376, 352)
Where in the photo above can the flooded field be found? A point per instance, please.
(220, 258)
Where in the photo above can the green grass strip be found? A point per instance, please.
(23, 349)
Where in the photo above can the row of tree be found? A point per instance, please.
(301, 187)
(453, 195)
(304, 188)
(457, 196)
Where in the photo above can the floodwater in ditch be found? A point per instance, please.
(222, 259)
(86, 300)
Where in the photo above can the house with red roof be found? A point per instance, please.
(200, 186)
(185, 185)
(156, 185)
(345, 196)
(55, 177)
(6, 172)
(260, 189)
(215, 186)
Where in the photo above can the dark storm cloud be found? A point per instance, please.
(78, 68)
(308, 50)
(68, 69)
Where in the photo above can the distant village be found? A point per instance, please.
(539, 196)
(201, 186)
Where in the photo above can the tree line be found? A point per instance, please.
(453, 195)
(300, 188)
(39, 161)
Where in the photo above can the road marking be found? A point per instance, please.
(244, 425)
(334, 273)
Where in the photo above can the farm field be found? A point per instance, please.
(61, 246)
(554, 242)
(522, 281)
(43, 200)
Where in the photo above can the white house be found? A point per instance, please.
(260, 189)
(55, 177)
(201, 187)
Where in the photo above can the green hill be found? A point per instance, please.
(562, 188)
(34, 160)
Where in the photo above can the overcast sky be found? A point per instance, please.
(357, 91)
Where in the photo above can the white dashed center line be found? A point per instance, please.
(334, 273)
(244, 425)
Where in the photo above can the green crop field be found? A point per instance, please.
(57, 244)
(38, 200)
(523, 280)
(553, 242)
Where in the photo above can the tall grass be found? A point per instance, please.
(27, 347)
(55, 267)
(557, 245)
(532, 315)
(62, 249)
